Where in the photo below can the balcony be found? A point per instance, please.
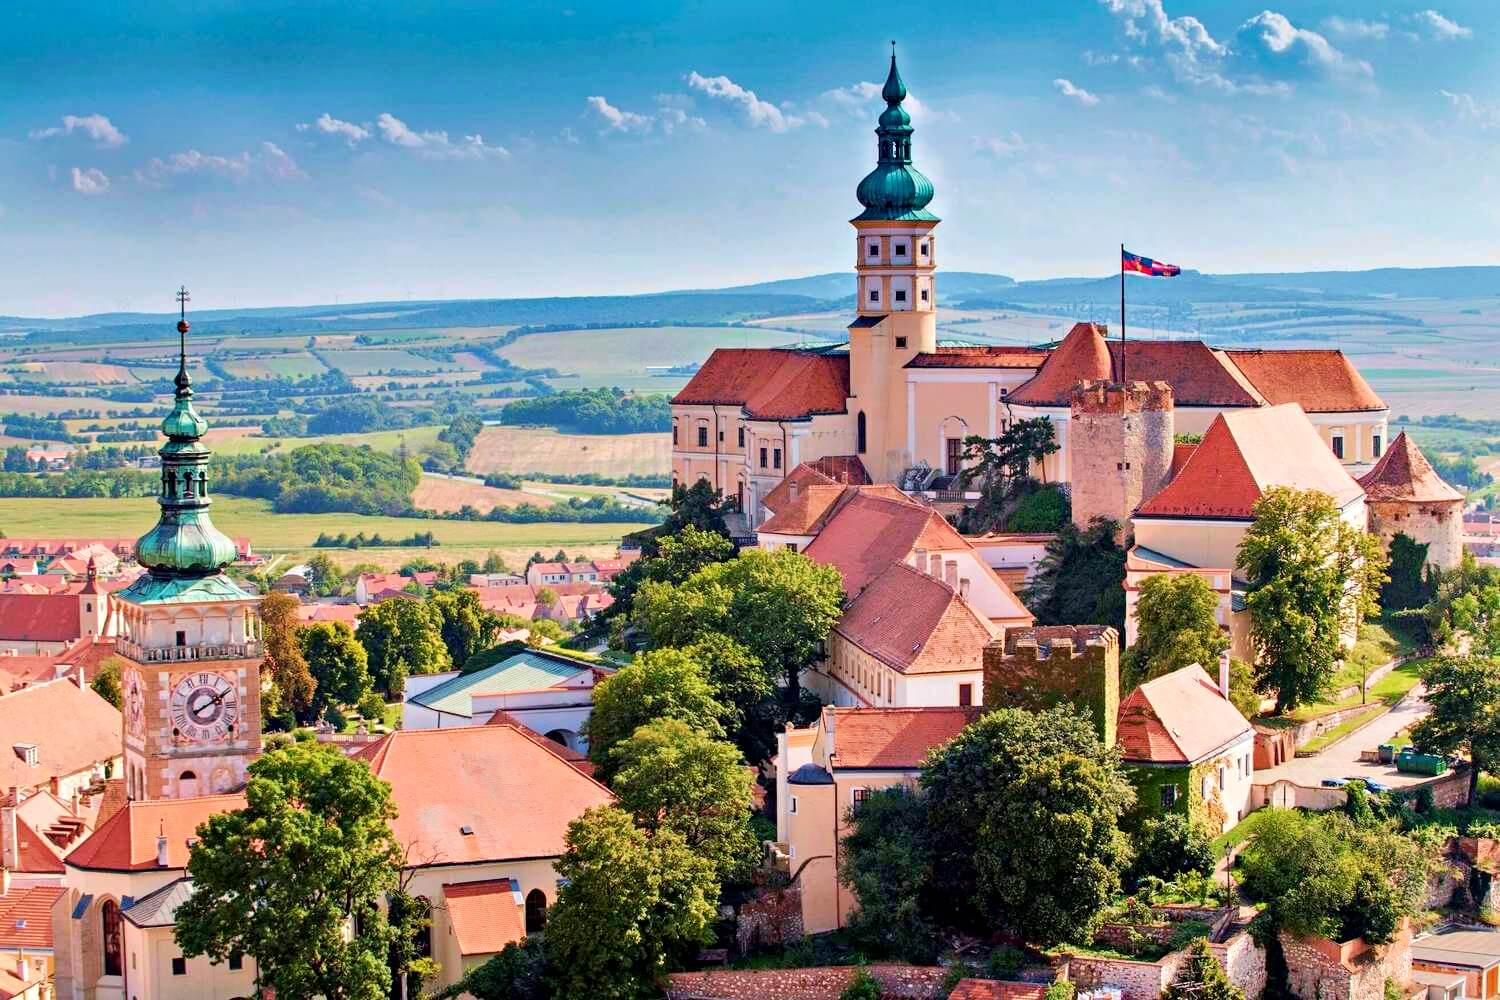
(188, 654)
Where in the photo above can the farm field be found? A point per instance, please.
(445, 495)
(71, 371)
(416, 439)
(374, 361)
(275, 366)
(519, 450)
(619, 357)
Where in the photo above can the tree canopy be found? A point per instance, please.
(292, 683)
(1176, 627)
(338, 664)
(1080, 580)
(467, 627)
(402, 637)
(660, 684)
(1463, 695)
(887, 861)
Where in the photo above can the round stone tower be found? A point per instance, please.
(1405, 495)
(1121, 439)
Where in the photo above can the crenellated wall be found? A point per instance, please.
(1039, 668)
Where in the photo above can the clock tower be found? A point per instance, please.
(190, 635)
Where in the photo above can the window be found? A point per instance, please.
(763, 458)
(721, 434)
(1375, 445)
(776, 458)
(966, 695)
(1223, 778)
(536, 911)
(181, 638)
(860, 432)
(236, 963)
(955, 455)
(741, 438)
(900, 295)
(674, 432)
(922, 248)
(874, 295)
(109, 921)
(1208, 786)
(900, 249)
(874, 250)
(1338, 444)
(857, 799)
(1168, 796)
(924, 295)
(792, 805)
(703, 435)
(179, 966)
(900, 341)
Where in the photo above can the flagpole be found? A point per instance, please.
(1122, 315)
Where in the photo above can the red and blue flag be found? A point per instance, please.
(1145, 265)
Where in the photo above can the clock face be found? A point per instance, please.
(205, 707)
(134, 698)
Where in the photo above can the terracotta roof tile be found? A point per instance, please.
(771, 383)
(39, 617)
(981, 357)
(1082, 356)
(1403, 473)
(804, 474)
(1178, 718)
(37, 854)
(484, 915)
(573, 757)
(847, 469)
(1320, 381)
(1197, 375)
(346, 613)
(127, 840)
(873, 529)
(72, 727)
(916, 624)
(993, 989)
(802, 509)
(26, 917)
(1180, 454)
(1244, 453)
(896, 738)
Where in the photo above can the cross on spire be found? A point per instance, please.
(183, 298)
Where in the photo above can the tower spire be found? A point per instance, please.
(182, 381)
(894, 190)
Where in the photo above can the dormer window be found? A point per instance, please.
(28, 754)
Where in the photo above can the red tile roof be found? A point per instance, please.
(981, 357)
(847, 469)
(484, 915)
(895, 738)
(127, 840)
(39, 617)
(871, 530)
(73, 730)
(573, 757)
(516, 797)
(346, 613)
(1320, 381)
(802, 509)
(1244, 453)
(916, 624)
(771, 383)
(1082, 356)
(994, 989)
(1403, 473)
(805, 474)
(1197, 375)
(37, 854)
(26, 917)
(1180, 454)
(1178, 718)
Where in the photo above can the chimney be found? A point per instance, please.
(950, 573)
(9, 834)
(82, 681)
(1224, 674)
(161, 845)
(963, 587)
(935, 565)
(828, 734)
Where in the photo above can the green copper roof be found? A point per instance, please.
(895, 190)
(521, 672)
(149, 588)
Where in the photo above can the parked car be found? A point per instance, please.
(1371, 785)
(1335, 782)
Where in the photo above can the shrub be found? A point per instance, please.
(1169, 846)
(372, 707)
(1044, 510)
(862, 987)
(1004, 962)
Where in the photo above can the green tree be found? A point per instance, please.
(886, 861)
(1312, 576)
(779, 605)
(106, 682)
(742, 685)
(338, 664)
(632, 905)
(862, 986)
(402, 637)
(283, 879)
(1172, 845)
(292, 684)
(660, 684)
(1411, 584)
(1025, 811)
(327, 578)
(1176, 627)
(1463, 695)
(669, 775)
(699, 505)
(1002, 466)
(1081, 579)
(674, 559)
(467, 627)
(1201, 977)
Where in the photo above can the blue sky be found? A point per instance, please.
(317, 152)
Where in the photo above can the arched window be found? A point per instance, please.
(859, 423)
(187, 785)
(536, 911)
(109, 919)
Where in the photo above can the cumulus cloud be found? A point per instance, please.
(1484, 115)
(760, 114)
(436, 144)
(90, 180)
(1192, 53)
(96, 126)
(616, 120)
(1073, 92)
(327, 124)
(1440, 28)
(669, 117)
(1353, 27)
(1274, 41)
(278, 165)
(271, 162)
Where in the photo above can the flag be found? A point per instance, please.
(1145, 265)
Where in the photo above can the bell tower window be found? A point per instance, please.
(860, 431)
(874, 295)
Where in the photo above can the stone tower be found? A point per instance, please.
(895, 260)
(1405, 495)
(1043, 667)
(1121, 440)
(190, 635)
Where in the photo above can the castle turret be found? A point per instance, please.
(1405, 495)
(1043, 667)
(1121, 439)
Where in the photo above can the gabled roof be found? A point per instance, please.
(127, 840)
(1403, 473)
(895, 738)
(1178, 718)
(802, 509)
(870, 530)
(39, 617)
(577, 760)
(26, 917)
(803, 475)
(485, 915)
(516, 798)
(1320, 381)
(771, 383)
(916, 624)
(847, 469)
(523, 671)
(994, 989)
(1081, 356)
(1243, 454)
(72, 727)
(1197, 375)
(981, 357)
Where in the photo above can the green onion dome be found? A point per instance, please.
(894, 190)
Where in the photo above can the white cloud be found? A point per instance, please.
(278, 165)
(669, 117)
(1186, 45)
(857, 98)
(1273, 40)
(327, 124)
(97, 127)
(616, 120)
(374, 196)
(672, 119)
(271, 162)
(90, 181)
(1158, 94)
(1484, 115)
(436, 145)
(1001, 147)
(761, 114)
(1075, 93)
(1440, 28)
(1353, 27)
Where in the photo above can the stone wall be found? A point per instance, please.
(1039, 668)
(1120, 442)
(1439, 526)
(897, 982)
(1451, 791)
(1134, 980)
(770, 920)
(1319, 969)
(1244, 961)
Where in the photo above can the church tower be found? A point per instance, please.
(895, 258)
(190, 636)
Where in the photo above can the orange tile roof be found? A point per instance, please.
(26, 917)
(916, 624)
(1180, 454)
(73, 729)
(346, 613)
(771, 383)
(981, 357)
(803, 509)
(1197, 375)
(1178, 718)
(993, 989)
(1320, 381)
(1403, 473)
(573, 757)
(1244, 453)
(848, 469)
(874, 528)
(1082, 356)
(895, 738)
(803, 475)
(127, 840)
(484, 915)
(39, 617)
(37, 855)
(515, 797)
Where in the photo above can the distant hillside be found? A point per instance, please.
(839, 285)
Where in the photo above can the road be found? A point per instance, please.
(1342, 759)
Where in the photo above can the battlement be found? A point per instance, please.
(1072, 641)
(1099, 396)
(1049, 665)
